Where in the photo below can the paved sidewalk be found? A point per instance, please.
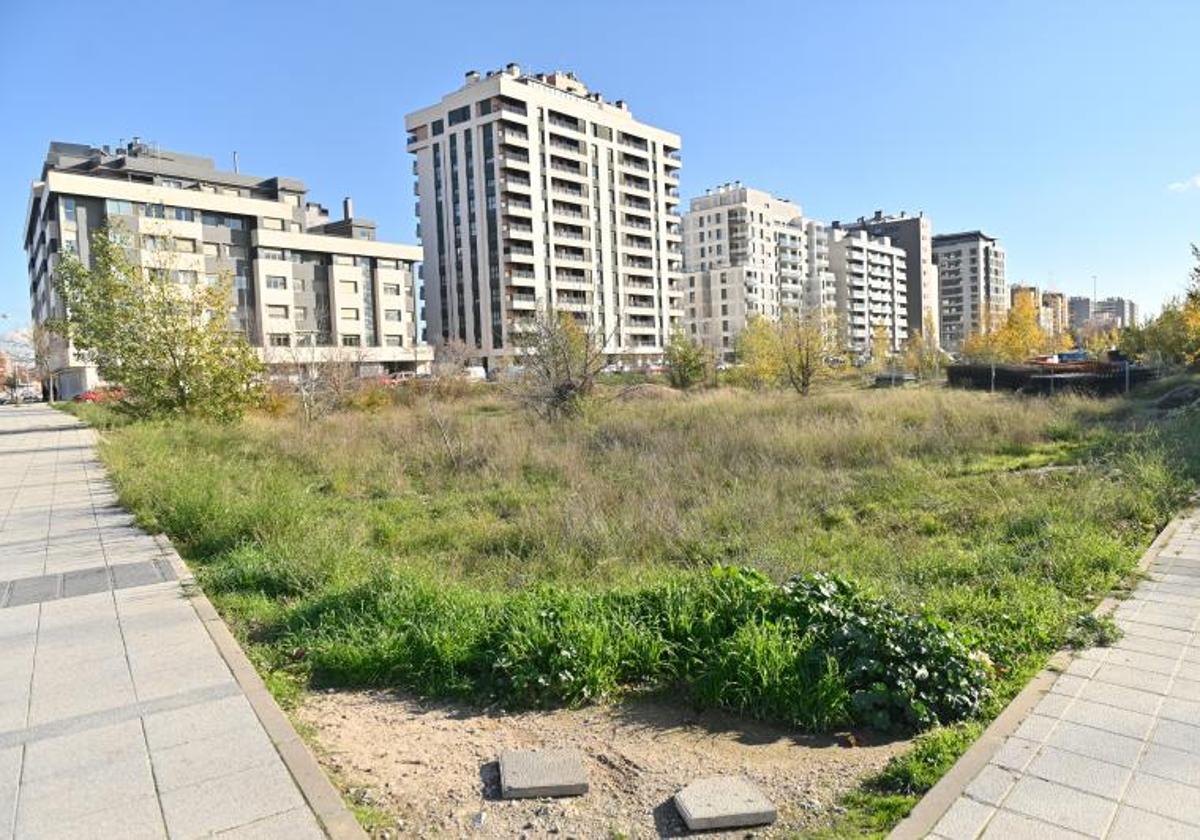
(118, 715)
(1113, 750)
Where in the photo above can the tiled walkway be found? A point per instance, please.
(1113, 750)
(118, 716)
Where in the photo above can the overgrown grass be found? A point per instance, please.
(457, 548)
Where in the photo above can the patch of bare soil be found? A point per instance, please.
(432, 767)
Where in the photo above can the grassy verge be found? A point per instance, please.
(456, 548)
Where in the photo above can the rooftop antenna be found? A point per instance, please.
(235, 161)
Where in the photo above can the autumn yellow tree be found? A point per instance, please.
(804, 350)
(1022, 335)
(759, 354)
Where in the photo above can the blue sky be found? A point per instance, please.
(1071, 130)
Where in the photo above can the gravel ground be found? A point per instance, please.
(432, 767)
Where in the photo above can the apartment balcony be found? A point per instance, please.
(569, 124)
(510, 182)
(580, 235)
(521, 301)
(564, 188)
(639, 184)
(638, 243)
(567, 146)
(520, 277)
(578, 171)
(671, 173)
(509, 106)
(573, 278)
(517, 231)
(512, 206)
(636, 203)
(643, 304)
(518, 251)
(635, 283)
(637, 223)
(510, 160)
(579, 255)
(567, 211)
(511, 137)
(632, 142)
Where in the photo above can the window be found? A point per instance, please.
(186, 277)
(300, 313)
(276, 281)
(181, 214)
(211, 279)
(210, 219)
(437, 127)
(118, 208)
(153, 211)
(277, 311)
(300, 284)
(280, 340)
(153, 243)
(211, 249)
(392, 315)
(234, 223)
(69, 209)
(362, 262)
(350, 287)
(235, 252)
(173, 183)
(393, 341)
(270, 254)
(272, 224)
(459, 115)
(185, 246)
(391, 288)
(348, 313)
(351, 341)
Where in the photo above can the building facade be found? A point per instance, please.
(300, 280)
(913, 235)
(1054, 316)
(747, 254)
(871, 289)
(535, 193)
(1116, 312)
(1079, 312)
(973, 294)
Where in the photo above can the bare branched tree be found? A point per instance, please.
(560, 359)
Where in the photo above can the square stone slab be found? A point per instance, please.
(525, 774)
(723, 802)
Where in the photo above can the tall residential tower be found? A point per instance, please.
(536, 193)
(973, 293)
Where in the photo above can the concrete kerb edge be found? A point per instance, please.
(320, 794)
(934, 804)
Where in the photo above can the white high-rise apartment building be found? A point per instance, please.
(871, 289)
(915, 235)
(973, 293)
(536, 193)
(748, 253)
(299, 278)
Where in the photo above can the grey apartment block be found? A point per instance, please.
(536, 194)
(307, 288)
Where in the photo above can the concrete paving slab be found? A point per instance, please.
(723, 802)
(526, 774)
(88, 672)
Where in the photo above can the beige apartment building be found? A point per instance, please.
(748, 253)
(871, 290)
(535, 193)
(972, 289)
(306, 287)
(1054, 318)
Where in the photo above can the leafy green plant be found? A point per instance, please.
(1093, 631)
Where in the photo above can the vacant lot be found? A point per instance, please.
(458, 548)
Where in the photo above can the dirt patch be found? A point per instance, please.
(432, 767)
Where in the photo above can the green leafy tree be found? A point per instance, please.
(167, 342)
(560, 360)
(689, 363)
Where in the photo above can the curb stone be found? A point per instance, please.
(320, 794)
(937, 801)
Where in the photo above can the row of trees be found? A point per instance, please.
(1173, 337)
